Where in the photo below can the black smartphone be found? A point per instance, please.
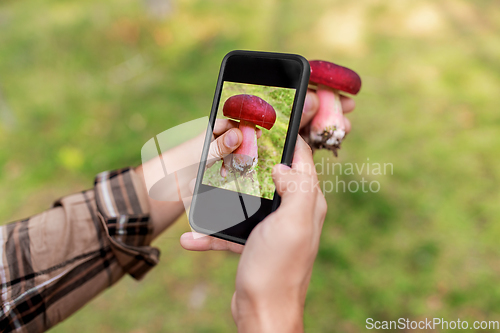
(264, 92)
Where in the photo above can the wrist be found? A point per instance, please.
(269, 315)
(161, 213)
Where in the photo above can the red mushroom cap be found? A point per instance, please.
(250, 108)
(334, 76)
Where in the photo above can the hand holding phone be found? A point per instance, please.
(275, 268)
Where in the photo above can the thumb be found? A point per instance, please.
(282, 176)
(300, 180)
(298, 190)
(301, 177)
(224, 145)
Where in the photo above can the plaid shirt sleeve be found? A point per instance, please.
(52, 263)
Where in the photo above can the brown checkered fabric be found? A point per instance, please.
(52, 263)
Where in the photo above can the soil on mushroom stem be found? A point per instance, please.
(270, 144)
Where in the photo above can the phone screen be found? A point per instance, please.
(263, 93)
(255, 180)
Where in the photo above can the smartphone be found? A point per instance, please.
(230, 198)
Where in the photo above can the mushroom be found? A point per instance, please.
(250, 110)
(328, 127)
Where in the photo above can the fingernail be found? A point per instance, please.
(231, 139)
(187, 235)
(281, 168)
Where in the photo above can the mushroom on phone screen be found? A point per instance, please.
(251, 111)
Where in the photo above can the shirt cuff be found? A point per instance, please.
(123, 209)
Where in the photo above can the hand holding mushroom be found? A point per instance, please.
(328, 127)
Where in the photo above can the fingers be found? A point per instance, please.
(298, 185)
(297, 190)
(280, 171)
(222, 125)
(224, 145)
(301, 176)
(347, 124)
(223, 171)
(348, 104)
(311, 106)
(302, 157)
(208, 243)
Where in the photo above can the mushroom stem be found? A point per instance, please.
(246, 156)
(327, 126)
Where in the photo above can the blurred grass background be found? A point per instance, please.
(270, 143)
(84, 84)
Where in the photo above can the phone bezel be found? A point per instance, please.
(261, 68)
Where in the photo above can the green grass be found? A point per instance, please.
(83, 85)
(271, 142)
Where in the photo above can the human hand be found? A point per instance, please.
(226, 138)
(277, 260)
(311, 107)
